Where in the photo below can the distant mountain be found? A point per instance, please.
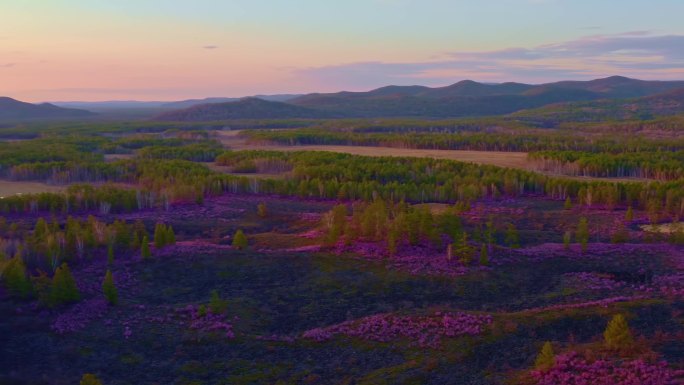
(465, 98)
(12, 109)
(195, 102)
(666, 103)
(247, 108)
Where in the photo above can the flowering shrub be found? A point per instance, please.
(426, 331)
(572, 369)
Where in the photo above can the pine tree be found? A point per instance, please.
(568, 204)
(629, 215)
(109, 289)
(216, 304)
(64, 289)
(582, 233)
(512, 239)
(145, 249)
(484, 257)
(16, 278)
(240, 240)
(170, 236)
(159, 235)
(546, 358)
(617, 335)
(110, 255)
(90, 379)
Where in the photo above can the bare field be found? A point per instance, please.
(495, 158)
(9, 187)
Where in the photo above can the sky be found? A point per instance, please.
(93, 50)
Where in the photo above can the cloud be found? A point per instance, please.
(634, 53)
(210, 47)
(7, 65)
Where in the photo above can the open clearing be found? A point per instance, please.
(519, 160)
(9, 187)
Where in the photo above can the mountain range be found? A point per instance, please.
(11, 109)
(465, 98)
(614, 97)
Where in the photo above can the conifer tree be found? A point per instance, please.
(582, 233)
(159, 235)
(240, 240)
(567, 238)
(629, 215)
(109, 289)
(568, 204)
(484, 256)
(170, 236)
(617, 335)
(63, 289)
(512, 239)
(110, 254)
(16, 278)
(216, 304)
(145, 249)
(546, 358)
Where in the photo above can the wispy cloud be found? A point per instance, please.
(7, 65)
(210, 47)
(635, 53)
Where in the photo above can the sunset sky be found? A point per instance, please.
(59, 50)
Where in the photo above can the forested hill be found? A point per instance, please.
(465, 98)
(12, 109)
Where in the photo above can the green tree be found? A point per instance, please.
(484, 256)
(512, 239)
(582, 233)
(546, 358)
(240, 240)
(170, 236)
(617, 335)
(16, 278)
(216, 304)
(63, 289)
(90, 379)
(568, 204)
(629, 215)
(110, 255)
(462, 250)
(145, 249)
(159, 235)
(109, 289)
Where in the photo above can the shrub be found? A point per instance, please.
(262, 210)
(90, 379)
(109, 289)
(617, 335)
(240, 240)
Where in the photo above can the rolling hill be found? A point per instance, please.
(465, 98)
(12, 109)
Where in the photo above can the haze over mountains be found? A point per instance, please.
(612, 97)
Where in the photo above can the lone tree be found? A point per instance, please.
(617, 335)
(484, 256)
(216, 304)
(582, 234)
(109, 289)
(546, 358)
(64, 289)
(240, 240)
(145, 249)
(512, 239)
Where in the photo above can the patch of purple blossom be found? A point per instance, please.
(424, 331)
